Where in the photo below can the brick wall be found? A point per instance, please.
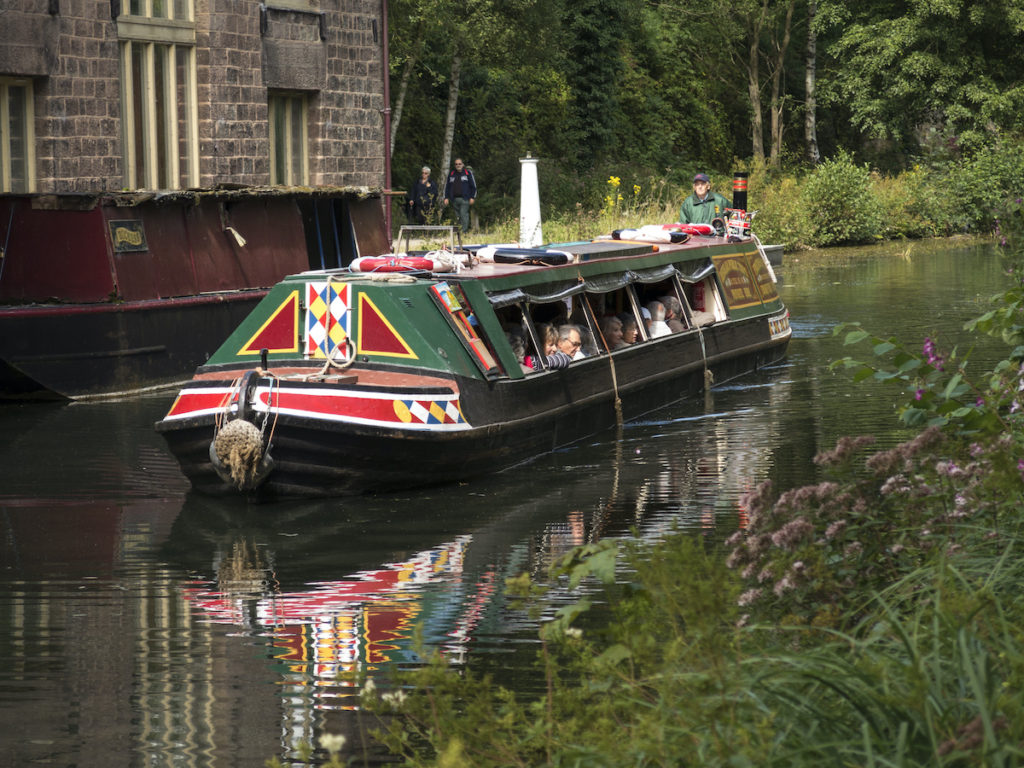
(76, 87)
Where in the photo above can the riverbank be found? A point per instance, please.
(839, 202)
(868, 618)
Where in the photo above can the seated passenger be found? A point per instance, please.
(554, 357)
(658, 325)
(519, 349)
(673, 313)
(630, 331)
(570, 341)
(611, 329)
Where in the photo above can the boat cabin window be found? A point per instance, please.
(451, 300)
(612, 312)
(704, 301)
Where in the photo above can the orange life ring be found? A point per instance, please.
(391, 264)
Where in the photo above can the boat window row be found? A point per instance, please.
(607, 314)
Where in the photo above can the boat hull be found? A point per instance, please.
(506, 423)
(104, 350)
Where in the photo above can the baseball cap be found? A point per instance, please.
(701, 177)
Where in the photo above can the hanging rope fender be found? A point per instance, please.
(237, 450)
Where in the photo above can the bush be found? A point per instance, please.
(840, 203)
(911, 209)
(978, 186)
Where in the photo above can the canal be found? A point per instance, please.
(142, 625)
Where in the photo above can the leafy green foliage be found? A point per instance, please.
(951, 62)
(840, 204)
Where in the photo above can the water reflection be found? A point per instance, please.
(144, 626)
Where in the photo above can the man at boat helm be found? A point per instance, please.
(703, 206)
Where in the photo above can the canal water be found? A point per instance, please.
(142, 625)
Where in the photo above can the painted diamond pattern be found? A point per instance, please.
(328, 318)
(434, 412)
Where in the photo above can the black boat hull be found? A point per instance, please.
(513, 421)
(104, 350)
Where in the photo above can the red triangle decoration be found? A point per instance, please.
(280, 333)
(376, 335)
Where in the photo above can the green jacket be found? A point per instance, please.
(693, 211)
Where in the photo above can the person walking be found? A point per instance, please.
(460, 191)
(422, 197)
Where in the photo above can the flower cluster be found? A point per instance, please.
(811, 545)
(934, 359)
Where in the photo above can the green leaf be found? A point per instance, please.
(855, 336)
(953, 386)
(614, 654)
(864, 373)
(884, 348)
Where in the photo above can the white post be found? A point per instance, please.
(530, 235)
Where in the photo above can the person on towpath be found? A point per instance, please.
(460, 192)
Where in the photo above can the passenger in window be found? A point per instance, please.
(611, 329)
(554, 357)
(519, 349)
(570, 341)
(658, 326)
(673, 313)
(630, 330)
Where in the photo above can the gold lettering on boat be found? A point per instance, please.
(127, 235)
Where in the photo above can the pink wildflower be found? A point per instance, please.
(749, 596)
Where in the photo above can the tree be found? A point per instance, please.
(594, 35)
(810, 95)
(954, 63)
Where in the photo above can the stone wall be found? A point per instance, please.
(328, 49)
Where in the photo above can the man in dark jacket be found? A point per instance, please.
(422, 197)
(703, 205)
(460, 191)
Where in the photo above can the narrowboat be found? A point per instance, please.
(343, 381)
(109, 294)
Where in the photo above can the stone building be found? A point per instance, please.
(107, 95)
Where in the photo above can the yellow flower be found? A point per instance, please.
(636, 189)
(614, 181)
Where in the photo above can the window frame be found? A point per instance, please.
(159, 42)
(6, 154)
(284, 99)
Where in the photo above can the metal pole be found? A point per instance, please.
(387, 121)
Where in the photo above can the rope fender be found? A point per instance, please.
(236, 451)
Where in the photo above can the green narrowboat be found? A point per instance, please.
(344, 381)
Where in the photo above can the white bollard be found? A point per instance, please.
(530, 235)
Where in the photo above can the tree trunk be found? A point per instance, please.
(777, 99)
(811, 104)
(754, 83)
(403, 89)
(449, 123)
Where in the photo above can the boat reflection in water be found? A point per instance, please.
(154, 628)
(339, 627)
(334, 594)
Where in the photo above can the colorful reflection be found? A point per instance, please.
(323, 635)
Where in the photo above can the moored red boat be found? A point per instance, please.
(110, 294)
(343, 382)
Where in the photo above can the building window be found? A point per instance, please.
(17, 142)
(288, 139)
(158, 95)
